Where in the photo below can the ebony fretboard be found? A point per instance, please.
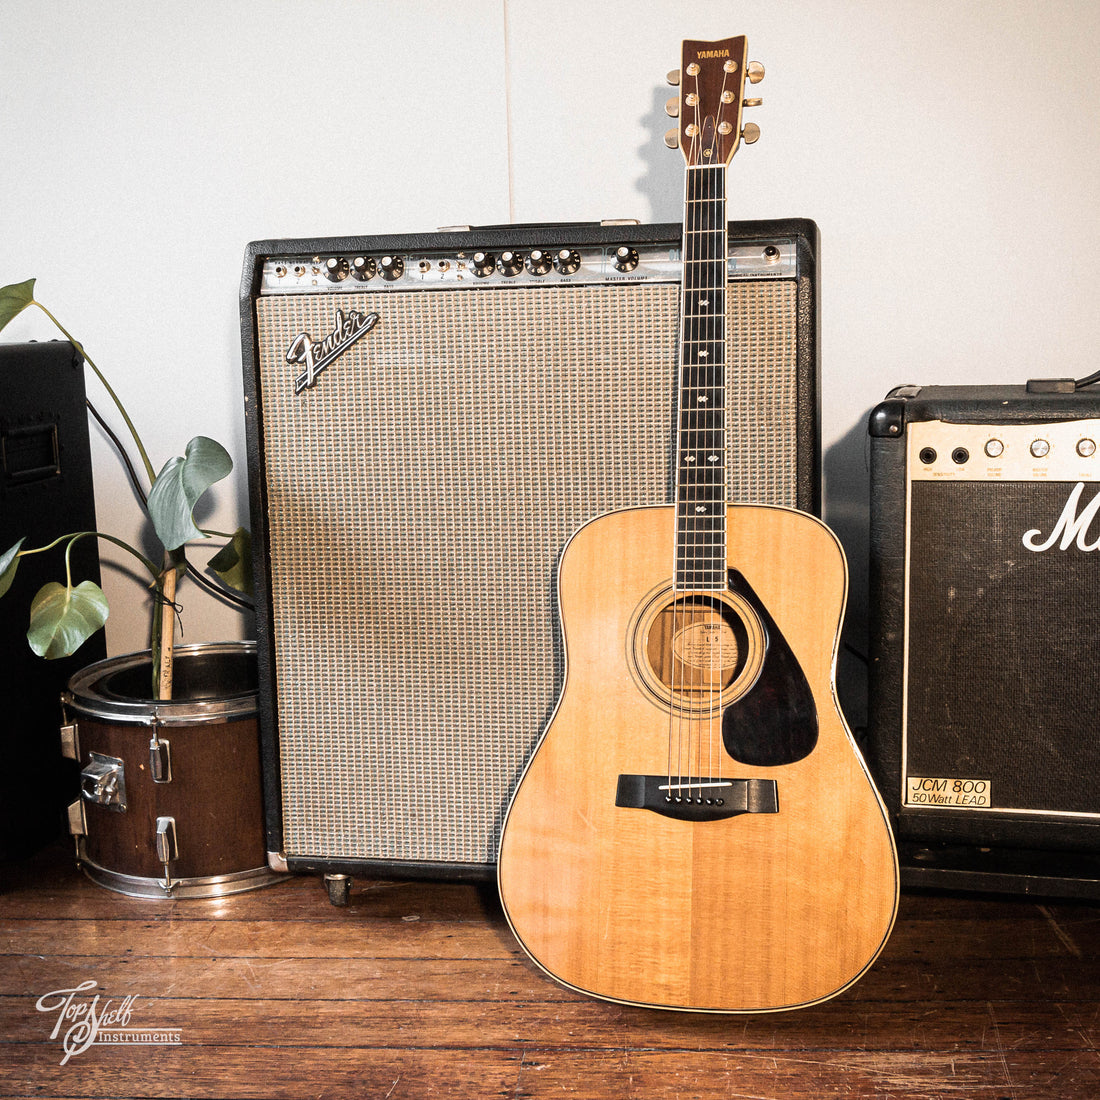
(701, 434)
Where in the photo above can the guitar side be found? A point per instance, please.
(761, 911)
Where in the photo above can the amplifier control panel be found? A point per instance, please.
(560, 262)
(1049, 451)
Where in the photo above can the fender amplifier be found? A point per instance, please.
(985, 613)
(429, 419)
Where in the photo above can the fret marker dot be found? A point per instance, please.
(703, 399)
(701, 508)
(712, 458)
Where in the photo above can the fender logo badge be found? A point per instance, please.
(315, 356)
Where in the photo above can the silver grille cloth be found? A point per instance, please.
(419, 497)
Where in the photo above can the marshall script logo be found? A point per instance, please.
(1072, 526)
(315, 356)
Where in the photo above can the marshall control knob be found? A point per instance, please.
(539, 262)
(391, 268)
(510, 263)
(567, 261)
(626, 258)
(336, 269)
(363, 268)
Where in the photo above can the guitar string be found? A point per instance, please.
(700, 542)
(703, 364)
(678, 687)
(693, 421)
(698, 503)
(720, 275)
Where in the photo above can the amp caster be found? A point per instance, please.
(339, 888)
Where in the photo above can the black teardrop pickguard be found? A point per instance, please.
(776, 721)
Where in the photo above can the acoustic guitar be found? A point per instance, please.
(696, 828)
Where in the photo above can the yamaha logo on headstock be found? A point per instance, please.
(712, 83)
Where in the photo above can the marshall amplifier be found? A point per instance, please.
(429, 419)
(985, 616)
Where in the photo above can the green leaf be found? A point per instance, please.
(178, 487)
(9, 562)
(14, 298)
(63, 619)
(233, 562)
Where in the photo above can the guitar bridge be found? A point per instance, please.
(695, 798)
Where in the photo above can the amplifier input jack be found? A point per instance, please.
(960, 456)
(927, 455)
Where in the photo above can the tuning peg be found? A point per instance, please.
(751, 133)
(672, 107)
(673, 77)
(752, 102)
(755, 72)
(672, 138)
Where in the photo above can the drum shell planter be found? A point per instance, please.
(171, 790)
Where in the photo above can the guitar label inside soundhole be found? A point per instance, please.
(703, 649)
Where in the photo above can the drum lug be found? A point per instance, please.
(160, 760)
(70, 741)
(167, 848)
(103, 781)
(78, 819)
(78, 826)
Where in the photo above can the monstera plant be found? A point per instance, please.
(65, 613)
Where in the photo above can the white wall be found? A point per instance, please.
(947, 150)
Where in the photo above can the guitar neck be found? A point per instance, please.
(701, 431)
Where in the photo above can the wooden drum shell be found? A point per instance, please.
(213, 793)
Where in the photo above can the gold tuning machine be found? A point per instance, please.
(673, 77)
(672, 138)
(672, 107)
(751, 133)
(755, 72)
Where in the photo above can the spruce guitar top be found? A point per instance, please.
(696, 829)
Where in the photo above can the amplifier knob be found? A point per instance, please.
(1086, 448)
(539, 262)
(568, 261)
(1039, 448)
(626, 258)
(363, 268)
(336, 269)
(484, 264)
(391, 268)
(510, 263)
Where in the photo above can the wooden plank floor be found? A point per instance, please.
(419, 990)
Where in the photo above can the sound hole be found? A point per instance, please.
(702, 649)
(697, 646)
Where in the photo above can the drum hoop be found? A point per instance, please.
(206, 886)
(82, 696)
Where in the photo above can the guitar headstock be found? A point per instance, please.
(712, 79)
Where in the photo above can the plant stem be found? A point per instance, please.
(76, 535)
(152, 474)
